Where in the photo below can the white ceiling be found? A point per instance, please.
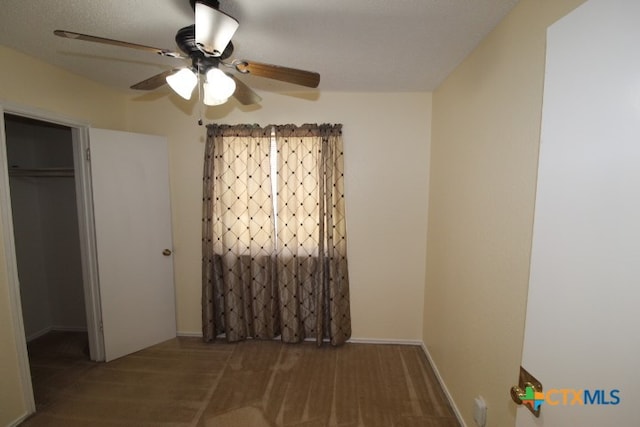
(355, 45)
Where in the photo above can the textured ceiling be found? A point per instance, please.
(355, 45)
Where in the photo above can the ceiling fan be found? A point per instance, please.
(207, 44)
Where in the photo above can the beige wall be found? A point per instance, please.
(486, 121)
(387, 159)
(31, 83)
(386, 172)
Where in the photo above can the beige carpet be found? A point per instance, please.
(184, 382)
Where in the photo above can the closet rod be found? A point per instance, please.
(42, 172)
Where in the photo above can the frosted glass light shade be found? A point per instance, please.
(218, 87)
(183, 82)
(214, 29)
(210, 99)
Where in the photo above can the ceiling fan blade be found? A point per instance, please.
(244, 94)
(95, 39)
(154, 82)
(276, 72)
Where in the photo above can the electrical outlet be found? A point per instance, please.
(480, 411)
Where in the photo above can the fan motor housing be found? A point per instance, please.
(186, 41)
(211, 3)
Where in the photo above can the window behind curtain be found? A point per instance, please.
(274, 234)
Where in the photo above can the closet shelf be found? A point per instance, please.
(41, 172)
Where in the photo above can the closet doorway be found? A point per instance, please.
(122, 230)
(40, 160)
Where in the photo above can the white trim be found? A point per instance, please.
(351, 340)
(39, 333)
(456, 411)
(383, 341)
(88, 251)
(42, 115)
(48, 329)
(189, 334)
(85, 206)
(55, 328)
(15, 306)
(19, 420)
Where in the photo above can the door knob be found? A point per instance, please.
(517, 394)
(166, 252)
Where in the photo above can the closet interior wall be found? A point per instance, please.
(45, 219)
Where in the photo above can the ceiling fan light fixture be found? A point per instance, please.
(212, 101)
(214, 29)
(218, 87)
(183, 82)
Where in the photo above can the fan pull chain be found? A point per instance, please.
(200, 106)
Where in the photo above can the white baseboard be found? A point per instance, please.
(456, 411)
(383, 341)
(351, 340)
(40, 333)
(69, 328)
(19, 420)
(48, 329)
(189, 334)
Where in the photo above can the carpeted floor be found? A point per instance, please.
(184, 382)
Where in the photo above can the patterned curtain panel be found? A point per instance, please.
(275, 265)
(239, 293)
(311, 234)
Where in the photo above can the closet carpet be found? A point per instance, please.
(184, 382)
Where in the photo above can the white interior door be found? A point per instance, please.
(130, 183)
(582, 316)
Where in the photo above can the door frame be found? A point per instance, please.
(82, 172)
